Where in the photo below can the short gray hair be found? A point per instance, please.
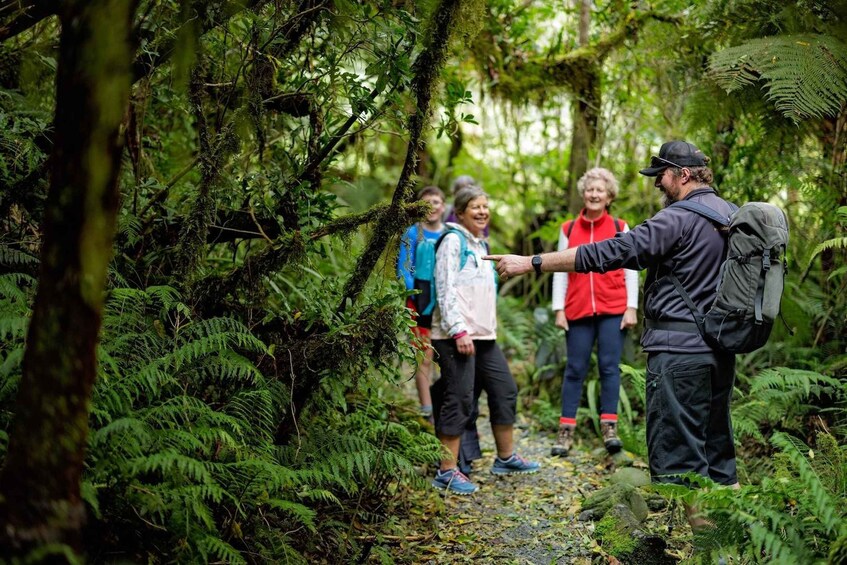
(601, 174)
(464, 197)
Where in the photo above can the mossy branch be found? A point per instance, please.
(209, 16)
(26, 15)
(303, 360)
(213, 154)
(427, 69)
(290, 249)
(573, 70)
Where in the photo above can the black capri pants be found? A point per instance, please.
(485, 370)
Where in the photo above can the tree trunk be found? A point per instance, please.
(40, 481)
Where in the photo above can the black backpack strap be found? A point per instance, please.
(618, 227)
(703, 210)
(758, 300)
(698, 317)
(570, 228)
(671, 325)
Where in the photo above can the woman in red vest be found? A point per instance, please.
(593, 307)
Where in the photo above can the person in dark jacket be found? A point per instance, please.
(689, 385)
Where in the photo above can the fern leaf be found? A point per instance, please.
(303, 514)
(10, 256)
(836, 243)
(211, 545)
(169, 463)
(804, 75)
(824, 507)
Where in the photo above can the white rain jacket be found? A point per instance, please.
(467, 299)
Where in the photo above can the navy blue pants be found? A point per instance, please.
(688, 416)
(581, 335)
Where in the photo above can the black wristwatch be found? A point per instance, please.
(536, 264)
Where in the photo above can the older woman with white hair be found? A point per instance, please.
(593, 307)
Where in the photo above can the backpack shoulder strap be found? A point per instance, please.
(463, 246)
(618, 225)
(703, 210)
(569, 229)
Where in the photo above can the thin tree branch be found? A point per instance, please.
(427, 69)
(26, 15)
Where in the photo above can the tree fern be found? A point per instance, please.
(804, 75)
(780, 396)
(792, 517)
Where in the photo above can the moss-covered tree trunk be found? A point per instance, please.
(40, 480)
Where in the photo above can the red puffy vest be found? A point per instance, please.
(593, 293)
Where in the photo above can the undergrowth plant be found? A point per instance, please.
(182, 463)
(781, 398)
(797, 515)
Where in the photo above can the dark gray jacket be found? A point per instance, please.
(673, 240)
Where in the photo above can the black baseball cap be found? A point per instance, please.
(677, 154)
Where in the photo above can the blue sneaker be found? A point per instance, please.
(454, 481)
(514, 465)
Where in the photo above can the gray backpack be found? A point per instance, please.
(751, 278)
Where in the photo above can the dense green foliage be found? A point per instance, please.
(254, 342)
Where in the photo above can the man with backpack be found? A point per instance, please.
(429, 229)
(690, 369)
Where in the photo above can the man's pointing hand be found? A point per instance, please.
(509, 266)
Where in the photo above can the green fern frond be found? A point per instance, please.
(13, 328)
(88, 493)
(11, 256)
(11, 362)
(123, 427)
(257, 408)
(837, 243)
(785, 379)
(230, 366)
(301, 513)
(206, 492)
(823, 508)
(804, 75)
(212, 546)
(780, 395)
(217, 327)
(170, 463)
(17, 286)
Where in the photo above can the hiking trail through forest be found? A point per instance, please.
(524, 519)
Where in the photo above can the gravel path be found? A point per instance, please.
(523, 519)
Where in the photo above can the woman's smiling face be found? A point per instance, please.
(476, 216)
(596, 197)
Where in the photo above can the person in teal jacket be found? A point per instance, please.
(430, 228)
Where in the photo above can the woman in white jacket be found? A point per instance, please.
(464, 333)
